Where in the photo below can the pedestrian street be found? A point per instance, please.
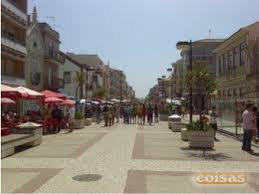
(125, 158)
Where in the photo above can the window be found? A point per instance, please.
(242, 54)
(67, 77)
(235, 93)
(235, 58)
(230, 61)
(229, 94)
(240, 92)
(223, 63)
(35, 44)
(224, 93)
(219, 63)
(219, 94)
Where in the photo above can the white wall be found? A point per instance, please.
(69, 88)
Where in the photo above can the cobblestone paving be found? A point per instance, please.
(128, 158)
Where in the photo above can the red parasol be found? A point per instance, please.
(53, 100)
(69, 102)
(31, 93)
(48, 93)
(7, 101)
(9, 92)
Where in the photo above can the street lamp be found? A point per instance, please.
(185, 45)
(171, 70)
(88, 69)
(162, 82)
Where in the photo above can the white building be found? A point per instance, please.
(69, 71)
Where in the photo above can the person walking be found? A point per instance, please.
(139, 113)
(98, 114)
(143, 114)
(156, 113)
(149, 114)
(213, 120)
(249, 125)
(106, 115)
(134, 113)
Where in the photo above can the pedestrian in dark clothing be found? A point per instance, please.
(149, 114)
(156, 113)
(143, 114)
(106, 115)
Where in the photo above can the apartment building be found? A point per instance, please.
(13, 42)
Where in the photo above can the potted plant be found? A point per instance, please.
(200, 135)
(79, 121)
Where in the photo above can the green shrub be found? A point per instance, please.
(79, 115)
(197, 126)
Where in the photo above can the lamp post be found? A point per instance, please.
(171, 70)
(88, 69)
(183, 45)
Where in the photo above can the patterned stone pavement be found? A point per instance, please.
(127, 158)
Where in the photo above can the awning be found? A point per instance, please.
(7, 101)
(115, 100)
(69, 102)
(174, 101)
(9, 92)
(53, 100)
(31, 93)
(48, 93)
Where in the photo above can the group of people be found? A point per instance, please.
(130, 113)
(250, 118)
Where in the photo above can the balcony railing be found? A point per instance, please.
(12, 37)
(10, 6)
(56, 56)
(13, 80)
(14, 44)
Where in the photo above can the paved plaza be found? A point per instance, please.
(125, 159)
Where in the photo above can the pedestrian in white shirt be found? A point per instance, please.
(249, 125)
(213, 120)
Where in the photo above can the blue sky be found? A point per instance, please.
(139, 36)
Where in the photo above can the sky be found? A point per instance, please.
(140, 36)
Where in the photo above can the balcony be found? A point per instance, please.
(10, 41)
(55, 57)
(56, 83)
(12, 80)
(14, 10)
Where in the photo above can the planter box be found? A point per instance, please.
(201, 139)
(77, 124)
(163, 117)
(184, 134)
(88, 121)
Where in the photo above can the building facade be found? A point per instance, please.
(69, 72)
(237, 72)
(94, 71)
(44, 57)
(13, 42)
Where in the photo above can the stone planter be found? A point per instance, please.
(88, 121)
(77, 124)
(201, 139)
(184, 134)
(163, 117)
(33, 129)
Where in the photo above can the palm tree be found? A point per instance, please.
(80, 80)
(203, 82)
